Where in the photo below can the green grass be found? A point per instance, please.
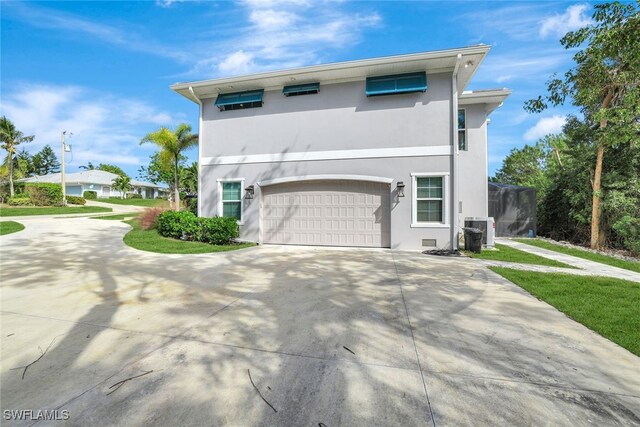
(117, 217)
(47, 210)
(8, 227)
(509, 254)
(151, 241)
(591, 256)
(605, 305)
(150, 203)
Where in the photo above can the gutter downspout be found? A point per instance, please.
(200, 115)
(454, 155)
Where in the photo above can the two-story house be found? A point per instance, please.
(383, 152)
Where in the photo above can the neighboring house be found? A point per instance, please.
(384, 152)
(101, 182)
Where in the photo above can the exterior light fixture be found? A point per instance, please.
(249, 192)
(400, 188)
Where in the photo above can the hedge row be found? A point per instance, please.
(44, 194)
(184, 225)
(90, 195)
(76, 200)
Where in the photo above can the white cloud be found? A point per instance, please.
(545, 126)
(272, 20)
(573, 18)
(501, 68)
(105, 128)
(238, 62)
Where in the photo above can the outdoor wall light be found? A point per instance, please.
(248, 192)
(400, 188)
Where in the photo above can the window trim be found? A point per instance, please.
(220, 201)
(466, 134)
(445, 200)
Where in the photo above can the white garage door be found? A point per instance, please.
(331, 213)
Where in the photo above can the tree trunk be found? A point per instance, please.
(175, 185)
(597, 240)
(11, 193)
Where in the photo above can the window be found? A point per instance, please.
(462, 130)
(430, 199)
(400, 83)
(231, 202)
(303, 89)
(240, 100)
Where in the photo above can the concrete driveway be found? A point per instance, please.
(330, 337)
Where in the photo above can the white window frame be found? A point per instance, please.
(445, 200)
(220, 202)
(466, 134)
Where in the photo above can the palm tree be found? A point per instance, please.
(88, 167)
(122, 183)
(11, 138)
(189, 178)
(171, 144)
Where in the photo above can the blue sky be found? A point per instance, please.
(102, 70)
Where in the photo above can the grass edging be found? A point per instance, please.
(605, 305)
(508, 254)
(51, 210)
(148, 203)
(584, 254)
(116, 217)
(8, 227)
(151, 241)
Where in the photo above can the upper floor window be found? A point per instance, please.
(462, 129)
(302, 89)
(399, 83)
(240, 100)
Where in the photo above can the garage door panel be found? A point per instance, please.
(336, 213)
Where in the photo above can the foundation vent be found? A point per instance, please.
(429, 243)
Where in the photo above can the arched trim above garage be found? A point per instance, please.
(332, 177)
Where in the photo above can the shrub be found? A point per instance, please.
(178, 225)
(19, 200)
(44, 194)
(217, 230)
(628, 228)
(134, 196)
(148, 218)
(90, 195)
(192, 204)
(76, 200)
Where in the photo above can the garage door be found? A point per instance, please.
(331, 213)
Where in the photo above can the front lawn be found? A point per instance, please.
(8, 227)
(149, 203)
(509, 254)
(608, 306)
(48, 210)
(117, 217)
(591, 256)
(151, 241)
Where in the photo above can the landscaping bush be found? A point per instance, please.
(178, 225)
(44, 194)
(134, 196)
(148, 218)
(192, 205)
(185, 225)
(19, 200)
(76, 200)
(217, 230)
(90, 195)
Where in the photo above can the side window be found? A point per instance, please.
(462, 130)
(232, 199)
(429, 199)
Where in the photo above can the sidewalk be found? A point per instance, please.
(586, 267)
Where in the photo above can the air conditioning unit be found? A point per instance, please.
(488, 227)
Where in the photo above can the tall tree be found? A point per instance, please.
(10, 137)
(172, 144)
(111, 168)
(122, 183)
(88, 167)
(46, 162)
(605, 84)
(25, 163)
(189, 178)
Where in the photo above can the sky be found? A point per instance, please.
(102, 70)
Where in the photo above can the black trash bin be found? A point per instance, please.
(472, 239)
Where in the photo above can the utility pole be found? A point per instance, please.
(62, 181)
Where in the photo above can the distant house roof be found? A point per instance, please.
(88, 177)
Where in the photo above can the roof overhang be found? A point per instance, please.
(439, 61)
(491, 98)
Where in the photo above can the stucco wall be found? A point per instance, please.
(339, 117)
(403, 236)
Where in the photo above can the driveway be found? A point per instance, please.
(329, 337)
